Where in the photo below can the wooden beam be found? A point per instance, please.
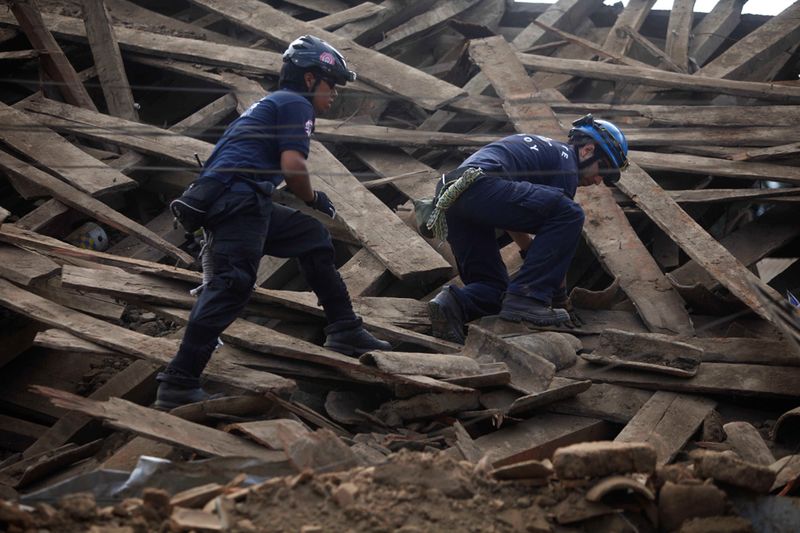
(338, 19)
(53, 60)
(72, 164)
(691, 237)
(563, 15)
(378, 70)
(24, 267)
(158, 350)
(440, 13)
(781, 151)
(713, 30)
(364, 274)
(699, 81)
(633, 16)
(108, 60)
(94, 208)
(164, 427)
(661, 57)
(341, 131)
(760, 46)
(667, 421)
(679, 28)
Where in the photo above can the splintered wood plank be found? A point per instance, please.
(699, 81)
(24, 267)
(711, 378)
(439, 14)
(84, 203)
(144, 138)
(622, 253)
(760, 46)
(342, 131)
(538, 437)
(337, 19)
(56, 339)
(679, 30)
(378, 70)
(205, 52)
(744, 136)
(53, 60)
(164, 225)
(158, 350)
(75, 166)
(497, 62)
(138, 375)
(712, 32)
(667, 421)
(404, 253)
(563, 14)
(633, 16)
(98, 305)
(784, 150)
(108, 60)
(692, 238)
(163, 427)
(748, 244)
(694, 164)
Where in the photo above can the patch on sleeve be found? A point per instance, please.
(309, 127)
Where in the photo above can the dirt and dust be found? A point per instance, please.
(411, 492)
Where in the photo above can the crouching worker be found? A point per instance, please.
(231, 200)
(524, 184)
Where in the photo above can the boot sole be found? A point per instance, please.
(441, 326)
(345, 349)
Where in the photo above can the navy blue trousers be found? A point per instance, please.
(494, 202)
(246, 226)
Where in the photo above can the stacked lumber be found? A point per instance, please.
(687, 340)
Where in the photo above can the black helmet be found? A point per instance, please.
(309, 52)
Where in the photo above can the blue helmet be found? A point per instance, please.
(309, 52)
(609, 139)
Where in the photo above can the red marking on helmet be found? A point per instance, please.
(327, 57)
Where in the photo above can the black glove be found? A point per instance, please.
(323, 204)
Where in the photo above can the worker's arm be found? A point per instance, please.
(293, 167)
(295, 172)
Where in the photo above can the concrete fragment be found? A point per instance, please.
(726, 467)
(746, 441)
(603, 458)
(679, 503)
(79, 506)
(345, 494)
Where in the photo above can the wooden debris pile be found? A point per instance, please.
(687, 341)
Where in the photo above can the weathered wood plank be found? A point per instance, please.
(108, 60)
(53, 60)
(54, 152)
(378, 70)
(784, 150)
(159, 350)
(761, 46)
(56, 339)
(123, 384)
(164, 427)
(439, 14)
(633, 16)
(679, 29)
(691, 237)
(83, 202)
(659, 78)
(364, 274)
(24, 267)
(667, 421)
(711, 32)
(626, 258)
(337, 19)
(712, 378)
(563, 14)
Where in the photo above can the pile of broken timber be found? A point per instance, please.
(105, 110)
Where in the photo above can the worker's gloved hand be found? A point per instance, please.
(323, 204)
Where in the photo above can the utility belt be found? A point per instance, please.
(191, 208)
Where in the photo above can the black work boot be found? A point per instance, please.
(518, 308)
(349, 337)
(447, 317)
(170, 396)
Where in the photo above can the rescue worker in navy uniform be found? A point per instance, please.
(524, 184)
(267, 144)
